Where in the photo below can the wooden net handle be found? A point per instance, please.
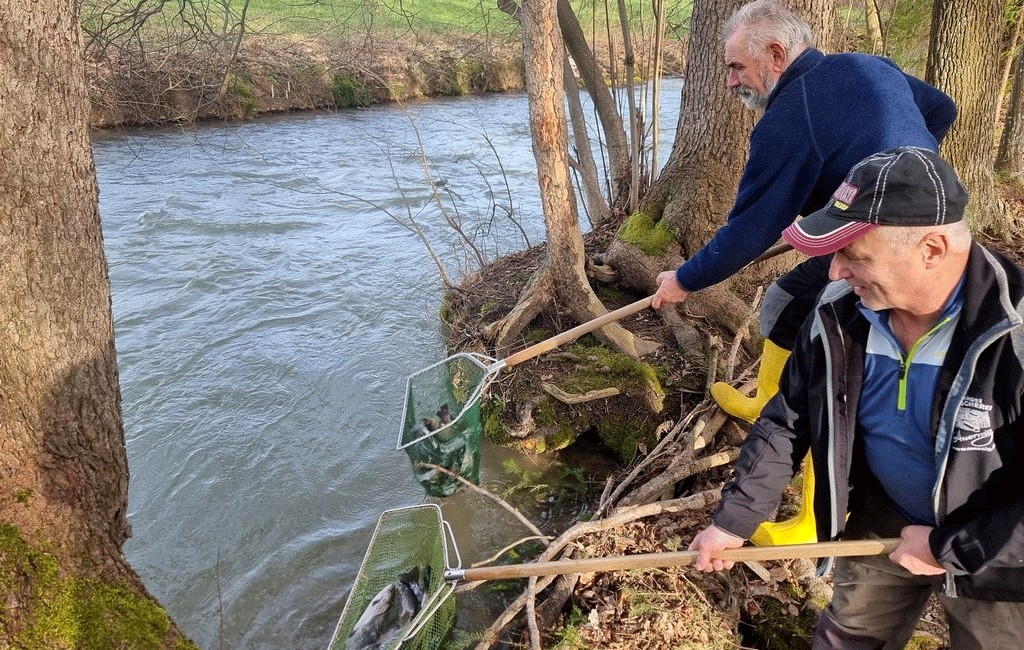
(538, 349)
(679, 558)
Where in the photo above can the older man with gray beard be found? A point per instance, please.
(822, 114)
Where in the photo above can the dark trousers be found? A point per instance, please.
(790, 299)
(876, 603)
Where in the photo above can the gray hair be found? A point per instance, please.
(766, 22)
(902, 238)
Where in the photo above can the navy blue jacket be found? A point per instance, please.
(827, 113)
(977, 419)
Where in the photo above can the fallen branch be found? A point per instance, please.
(476, 488)
(741, 333)
(578, 398)
(667, 479)
(607, 500)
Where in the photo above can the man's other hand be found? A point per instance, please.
(710, 540)
(669, 290)
(915, 554)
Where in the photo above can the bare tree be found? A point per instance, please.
(873, 26)
(562, 274)
(64, 477)
(1015, 15)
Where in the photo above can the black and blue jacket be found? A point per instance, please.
(827, 113)
(978, 424)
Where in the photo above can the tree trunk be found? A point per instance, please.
(563, 274)
(1010, 160)
(873, 26)
(63, 466)
(615, 142)
(1011, 52)
(963, 52)
(585, 165)
(604, 104)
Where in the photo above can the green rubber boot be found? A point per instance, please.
(735, 403)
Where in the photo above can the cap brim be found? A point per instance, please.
(822, 234)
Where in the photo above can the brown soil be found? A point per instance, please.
(674, 608)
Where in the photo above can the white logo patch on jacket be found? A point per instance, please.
(974, 426)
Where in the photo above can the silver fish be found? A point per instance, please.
(390, 612)
(378, 616)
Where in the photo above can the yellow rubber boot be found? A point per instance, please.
(735, 403)
(798, 530)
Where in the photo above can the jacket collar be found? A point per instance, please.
(992, 280)
(800, 65)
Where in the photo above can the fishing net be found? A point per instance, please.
(441, 423)
(405, 538)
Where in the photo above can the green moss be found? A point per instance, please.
(74, 612)
(348, 90)
(23, 495)
(641, 231)
(564, 436)
(488, 306)
(923, 642)
(624, 435)
(606, 367)
(242, 91)
(535, 335)
(490, 418)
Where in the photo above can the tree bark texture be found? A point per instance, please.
(1010, 160)
(63, 465)
(698, 183)
(963, 55)
(586, 166)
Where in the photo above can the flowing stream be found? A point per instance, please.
(270, 301)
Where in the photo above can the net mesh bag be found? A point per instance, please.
(408, 544)
(441, 424)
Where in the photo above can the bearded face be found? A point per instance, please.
(754, 99)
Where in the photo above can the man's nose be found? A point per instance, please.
(732, 80)
(836, 270)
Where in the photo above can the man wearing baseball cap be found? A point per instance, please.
(906, 385)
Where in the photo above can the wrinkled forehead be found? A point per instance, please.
(736, 48)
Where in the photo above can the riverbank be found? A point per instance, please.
(273, 74)
(282, 73)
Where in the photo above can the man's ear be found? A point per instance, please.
(934, 246)
(779, 57)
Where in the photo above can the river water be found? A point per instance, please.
(270, 301)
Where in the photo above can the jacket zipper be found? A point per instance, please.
(901, 400)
